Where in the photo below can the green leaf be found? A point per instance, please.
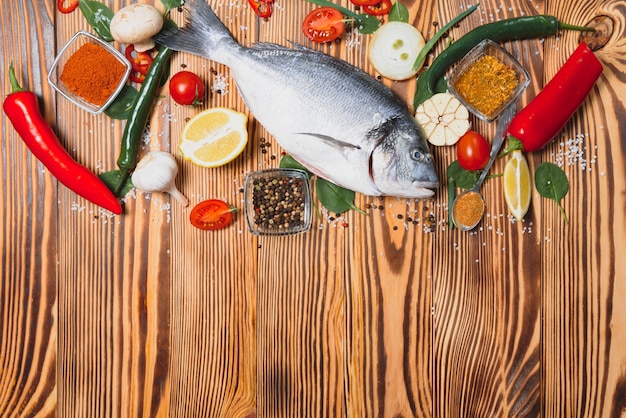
(551, 182)
(335, 198)
(462, 178)
(118, 181)
(123, 104)
(399, 13)
(171, 4)
(289, 162)
(99, 17)
(431, 43)
(367, 24)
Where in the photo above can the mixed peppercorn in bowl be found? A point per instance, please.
(278, 202)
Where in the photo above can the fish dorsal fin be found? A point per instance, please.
(331, 141)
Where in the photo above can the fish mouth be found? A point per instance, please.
(425, 187)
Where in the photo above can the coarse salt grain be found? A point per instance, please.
(220, 85)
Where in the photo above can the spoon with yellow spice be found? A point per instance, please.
(469, 206)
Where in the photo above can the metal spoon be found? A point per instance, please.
(473, 194)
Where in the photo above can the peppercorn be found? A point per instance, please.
(278, 203)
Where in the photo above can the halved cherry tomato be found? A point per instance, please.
(365, 2)
(262, 8)
(186, 88)
(382, 7)
(73, 4)
(211, 214)
(323, 24)
(472, 151)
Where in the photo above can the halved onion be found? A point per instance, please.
(393, 49)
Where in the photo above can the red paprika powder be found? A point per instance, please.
(92, 73)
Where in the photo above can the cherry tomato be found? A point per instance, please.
(381, 8)
(186, 88)
(211, 214)
(472, 151)
(364, 2)
(323, 24)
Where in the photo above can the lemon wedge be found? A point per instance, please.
(214, 137)
(517, 185)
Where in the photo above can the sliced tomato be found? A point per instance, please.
(211, 214)
(361, 3)
(323, 24)
(382, 7)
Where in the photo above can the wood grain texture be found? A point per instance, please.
(388, 314)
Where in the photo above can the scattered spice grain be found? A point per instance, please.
(487, 84)
(92, 73)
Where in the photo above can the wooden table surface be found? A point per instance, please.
(389, 314)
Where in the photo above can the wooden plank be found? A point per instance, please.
(583, 284)
(392, 313)
(487, 298)
(28, 230)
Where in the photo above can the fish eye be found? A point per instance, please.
(417, 155)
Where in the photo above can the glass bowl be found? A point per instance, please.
(278, 202)
(54, 76)
(487, 86)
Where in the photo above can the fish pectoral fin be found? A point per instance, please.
(332, 141)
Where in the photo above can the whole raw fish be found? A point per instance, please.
(332, 117)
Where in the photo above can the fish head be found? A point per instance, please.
(401, 164)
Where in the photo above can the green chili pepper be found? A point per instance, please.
(141, 110)
(133, 131)
(517, 28)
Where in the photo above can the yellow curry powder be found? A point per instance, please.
(468, 209)
(487, 84)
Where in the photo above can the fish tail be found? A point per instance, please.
(203, 34)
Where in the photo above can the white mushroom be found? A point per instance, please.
(136, 24)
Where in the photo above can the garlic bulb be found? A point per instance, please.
(156, 172)
(444, 119)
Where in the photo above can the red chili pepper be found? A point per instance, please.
(73, 4)
(262, 8)
(381, 8)
(22, 108)
(542, 119)
(140, 63)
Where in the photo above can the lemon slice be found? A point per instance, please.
(517, 185)
(214, 137)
